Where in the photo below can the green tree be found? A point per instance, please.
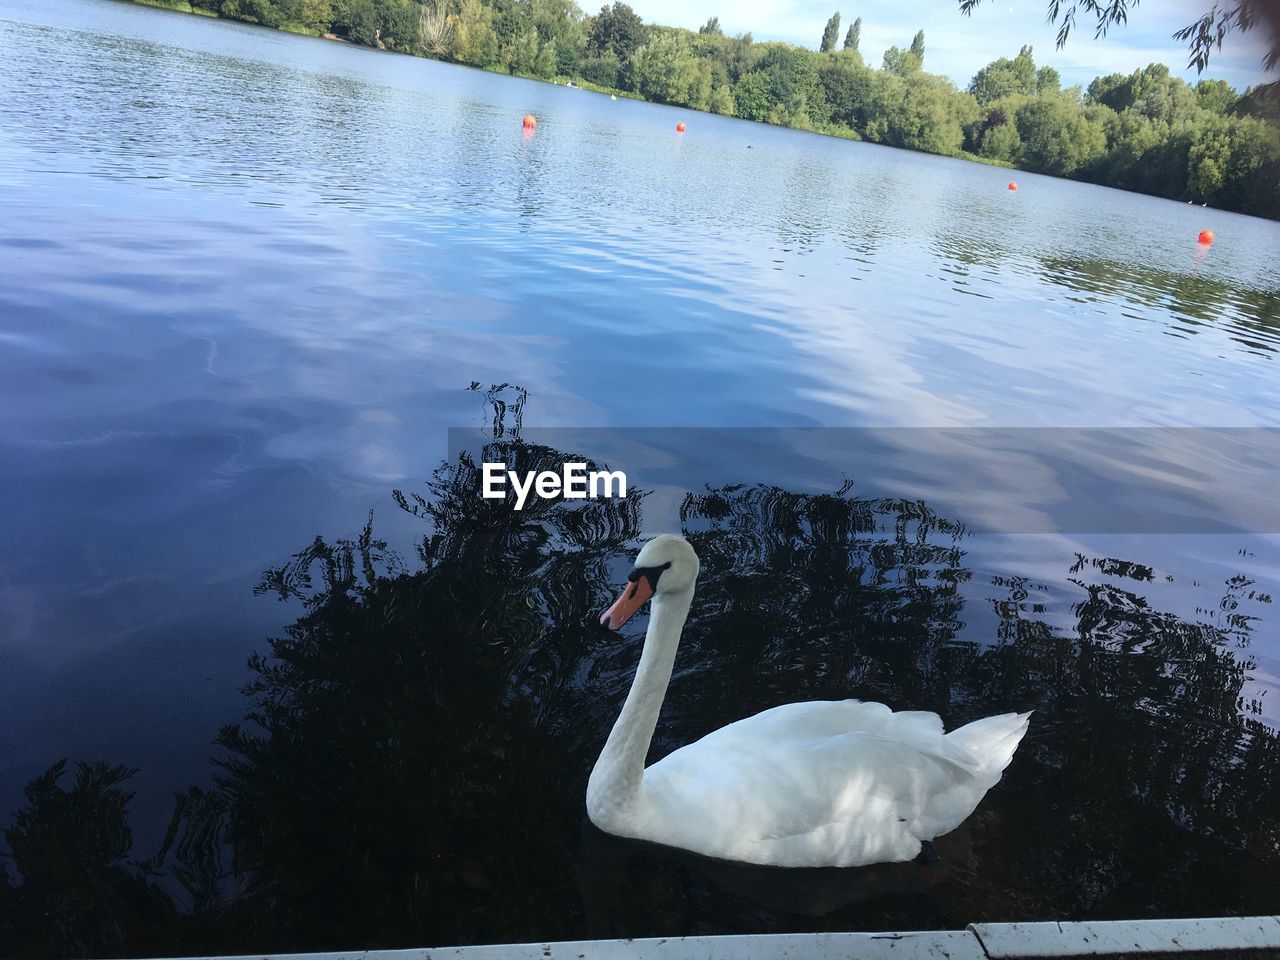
(831, 33)
(1058, 138)
(521, 54)
(388, 23)
(1207, 162)
(473, 39)
(1252, 147)
(711, 27)
(900, 62)
(546, 63)
(618, 29)
(264, 12)
(1115, 90)
(751, 96)
(993, 133)
(738, 56)
(1004, 77)
(360, 22)
(918, 112)
(560, 25)
(1048, 80)
(316, 15)
(794, 96)
(1001, 141)
(917, 46)
(398, 23)
(1158, 95)
(665, 70)
(1216, 96)
(994, 82)
(854, 35)
(1130, 138)
(604, 70)
(721, 101)
(847, 87)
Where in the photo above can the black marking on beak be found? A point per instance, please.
(649, 573)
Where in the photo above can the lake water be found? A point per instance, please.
(248, 283)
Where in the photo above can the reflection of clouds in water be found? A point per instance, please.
(347, 230)
(427, 711)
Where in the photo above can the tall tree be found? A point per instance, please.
(831, 33)
(1003, 77)
(711, 27)
(618, 29)
(900, 62)
(917, 46)
(853, 36)
(1217, 96)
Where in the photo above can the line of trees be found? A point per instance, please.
(1147, 131)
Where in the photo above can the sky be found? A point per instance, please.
(957, 46)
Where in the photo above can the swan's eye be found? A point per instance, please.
(649, 573)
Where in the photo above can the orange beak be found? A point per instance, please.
(633, 598)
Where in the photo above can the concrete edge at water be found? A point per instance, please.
(1230, 938)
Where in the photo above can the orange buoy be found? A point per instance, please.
(530, 121)
(680, 127)
(1013, 185)
(1206, 237)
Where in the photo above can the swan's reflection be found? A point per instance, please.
(608, 884)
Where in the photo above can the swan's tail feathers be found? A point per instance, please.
(992, 740)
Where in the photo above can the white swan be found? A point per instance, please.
(825, 783)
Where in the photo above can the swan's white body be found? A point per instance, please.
(825, 783)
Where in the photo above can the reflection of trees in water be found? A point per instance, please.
(412, 767)
(1153, 793)
(1184, 301)
(400, 780)
(817, 597)
(1252, 317)
(79, 887)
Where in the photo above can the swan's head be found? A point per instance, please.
(665, 565)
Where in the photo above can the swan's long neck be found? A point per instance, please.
(615, 781)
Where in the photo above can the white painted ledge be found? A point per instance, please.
(1223, 937)
(940, 945)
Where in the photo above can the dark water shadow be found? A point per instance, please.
(411, 767)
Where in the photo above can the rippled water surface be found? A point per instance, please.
(248, 281)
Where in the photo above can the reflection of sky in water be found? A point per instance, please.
(1183, 517)
(247, 278)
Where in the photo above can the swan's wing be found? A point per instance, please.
(819, 719)
(813, 718)
(845, 799)
(796, 799)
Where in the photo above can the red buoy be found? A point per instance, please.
(1206, 237)
(530, 121)
(680, 126)
(1013, 185)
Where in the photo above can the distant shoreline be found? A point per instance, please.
(1147, 133)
